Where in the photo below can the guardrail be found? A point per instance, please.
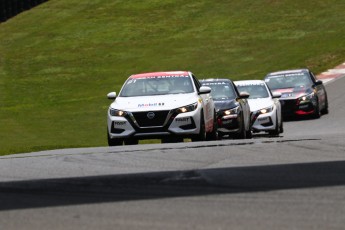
(10, 8)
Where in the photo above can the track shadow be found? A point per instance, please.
(143, 186)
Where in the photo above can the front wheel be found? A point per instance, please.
(114, 142)
(325, 109)
(317, 112)
(131, 142)
(172, 140)
(214, 134)
(281, 126)
(249, 134)
(276, 131)
(201, 136)
(242, 132)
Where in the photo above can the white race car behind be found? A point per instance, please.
(161, 105)
(265, 108)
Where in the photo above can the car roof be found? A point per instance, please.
(158, 74)
(215, 80)
(249, 82)
(288, 72)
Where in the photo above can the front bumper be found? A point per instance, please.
(138, 126)
(292, 107)
(264, 122)
(228, 124)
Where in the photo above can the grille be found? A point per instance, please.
(269, 123)
(288, 106)
(152, 130)
(158, 119)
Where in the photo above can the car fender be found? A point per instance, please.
(208, 111)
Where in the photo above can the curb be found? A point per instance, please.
(332, 74)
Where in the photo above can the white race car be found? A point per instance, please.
(265, 108)
(161, 105)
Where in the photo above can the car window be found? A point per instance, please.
(156, 85)
(181, 85)
(221, 90)
(197, 83)
(292, 80)
(254, 90)
(313, 77)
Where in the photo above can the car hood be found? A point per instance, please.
(225, 104)
(293, 93)
(259, 103)
(154, 103)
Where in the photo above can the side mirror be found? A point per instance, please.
(244, 95)
(111, 95)
(276, 95)
(204, 90)
(318, 82)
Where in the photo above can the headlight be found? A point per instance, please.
(231, 111)
(187, 108)
(266, 110)
(117, 113)
(306, 97)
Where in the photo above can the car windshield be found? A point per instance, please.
(254, 90)
(157, 85)
(221, 90)
(288, 81)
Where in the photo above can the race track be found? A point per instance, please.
(295, 181)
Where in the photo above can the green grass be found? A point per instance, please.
(59, 60)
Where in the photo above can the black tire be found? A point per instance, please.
(249, 134)
(317, 112)
(243, 132)
(172, 140)
(114, 142)
(281, 125)
(202, 133)
(131, 142)
(325, 109)
(276, 131)
(214, 134)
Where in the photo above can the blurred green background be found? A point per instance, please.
(59, 60)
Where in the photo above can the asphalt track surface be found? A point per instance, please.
(295, 181)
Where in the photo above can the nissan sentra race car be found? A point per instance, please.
(169, 106)
(302, 93)
(266, 115)
(233, 112)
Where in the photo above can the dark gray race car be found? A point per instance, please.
(232, 108)
(302, 93)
